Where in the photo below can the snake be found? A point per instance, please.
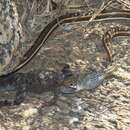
(112, 33)
(42, 38)
(69, 18)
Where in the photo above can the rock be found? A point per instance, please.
(29, 112)
(10, 34)
(68, 28)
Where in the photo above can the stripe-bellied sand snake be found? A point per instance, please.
(69, 18)
(111, 33)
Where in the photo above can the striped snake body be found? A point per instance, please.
(69, 18)
(111, 33)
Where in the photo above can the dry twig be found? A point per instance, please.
(126, 3)
(102, 7)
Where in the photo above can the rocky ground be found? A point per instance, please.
(108, 108)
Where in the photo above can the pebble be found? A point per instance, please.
(29, 112)
(68, 28)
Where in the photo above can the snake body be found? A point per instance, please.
(111, 33)
(69, 18)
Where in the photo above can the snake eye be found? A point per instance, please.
(0, 33)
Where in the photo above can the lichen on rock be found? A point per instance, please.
(10, 33)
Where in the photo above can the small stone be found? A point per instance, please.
(86, 35)
(42, 76)
(29, 112)
(68, 28)
(72, 120)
